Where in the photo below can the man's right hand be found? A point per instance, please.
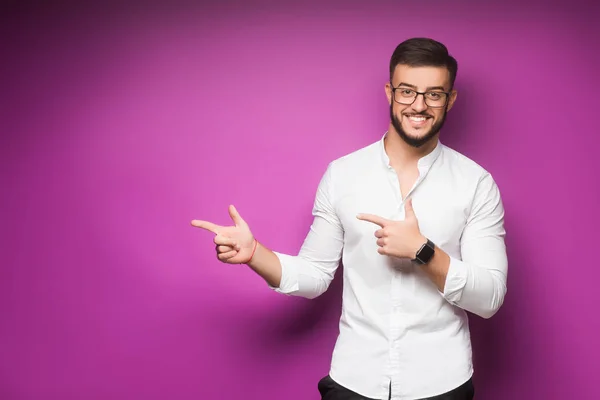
(234, 244)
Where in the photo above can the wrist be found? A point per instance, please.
(254, 247)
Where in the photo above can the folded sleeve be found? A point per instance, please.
(477, 281)
(310, 272)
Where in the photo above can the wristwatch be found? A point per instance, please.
(425, 253)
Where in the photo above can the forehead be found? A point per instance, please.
(421, 77)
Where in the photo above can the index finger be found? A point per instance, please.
(209, 226)
(373, 218)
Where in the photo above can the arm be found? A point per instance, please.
(310, 272)
(477, 282)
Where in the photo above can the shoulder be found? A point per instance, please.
(464, 166)
(357, 160)
(345, 171)
(472, 178)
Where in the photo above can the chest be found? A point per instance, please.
(441, 206)
(406, 181)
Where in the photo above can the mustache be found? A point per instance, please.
(421, 114)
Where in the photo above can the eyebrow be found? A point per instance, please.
(428, 89)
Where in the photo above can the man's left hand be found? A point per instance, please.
(400, 239)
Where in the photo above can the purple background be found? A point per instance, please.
(121, 124)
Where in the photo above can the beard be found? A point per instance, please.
(420, 141)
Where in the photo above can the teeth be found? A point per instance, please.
(418, 119)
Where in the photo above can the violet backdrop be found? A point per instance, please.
(120, 124)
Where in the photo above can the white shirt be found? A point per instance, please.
(395, 325)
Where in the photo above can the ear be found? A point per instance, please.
(452, 98)
(388, 92)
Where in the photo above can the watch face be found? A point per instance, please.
(426, 252)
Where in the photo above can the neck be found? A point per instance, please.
(401, 154)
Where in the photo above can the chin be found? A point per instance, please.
(416, 138)
(416, 134)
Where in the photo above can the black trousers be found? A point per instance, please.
(331, 390)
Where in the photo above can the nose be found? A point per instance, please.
(419, 104)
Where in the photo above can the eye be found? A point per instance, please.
(407, 92)
(434, 95)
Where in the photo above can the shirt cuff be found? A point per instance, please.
(456, 280)
(289, 274)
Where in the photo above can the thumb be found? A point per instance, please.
(408, 209)
(235, 216)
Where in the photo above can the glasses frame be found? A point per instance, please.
(419, 93)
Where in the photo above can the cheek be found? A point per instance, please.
(399, 111)
(437, 115)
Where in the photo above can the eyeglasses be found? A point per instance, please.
(406, 96)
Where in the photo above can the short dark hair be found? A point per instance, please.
(423, 52)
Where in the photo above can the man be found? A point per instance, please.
(420, 229)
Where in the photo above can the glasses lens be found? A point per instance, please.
(435, 99)
(404, 96)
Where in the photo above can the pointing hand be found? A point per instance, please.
(397, 238)
(234, 244)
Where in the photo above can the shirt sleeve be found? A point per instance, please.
(477, 282)
(309, 273)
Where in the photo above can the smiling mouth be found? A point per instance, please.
(418, 120)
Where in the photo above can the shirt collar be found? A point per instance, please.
(424, 162)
